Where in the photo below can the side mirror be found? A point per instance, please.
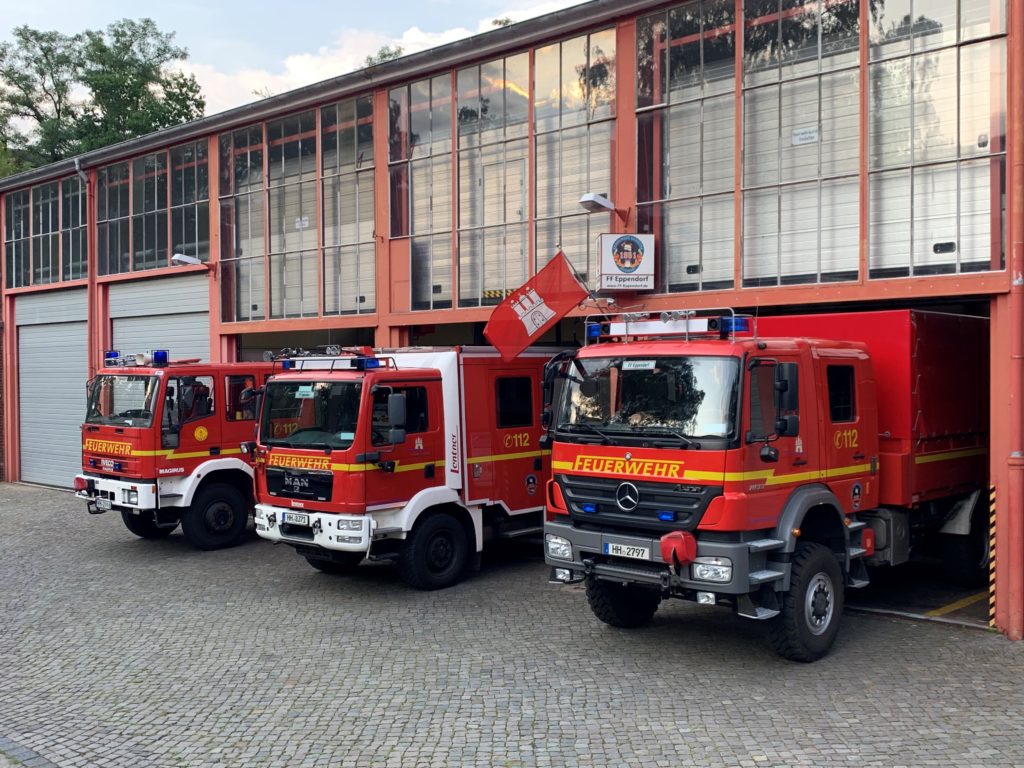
(787, 386)
(545, 419)
(769, 453)
(396, 436)
(248, 448)
(396, 411)
(788, 426)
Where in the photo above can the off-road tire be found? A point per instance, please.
(217, 517)
(816, 583)
(436, 553)
(347, 562)
(965, 558)
(144, 527)
(622, 605)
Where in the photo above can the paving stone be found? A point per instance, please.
(124, 652)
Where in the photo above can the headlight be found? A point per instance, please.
(350, 525)
(718, 569)
(131, 497)
(557, 547)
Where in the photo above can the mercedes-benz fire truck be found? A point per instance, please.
(699, 456)
(411, 455)
(160, 445)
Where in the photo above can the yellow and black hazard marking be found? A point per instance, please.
(496, 294)
(992, 556)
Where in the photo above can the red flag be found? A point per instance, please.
(533, 307)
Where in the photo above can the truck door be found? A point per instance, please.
(191, 409)
(404, 469)
(769, 483)
(851, 441)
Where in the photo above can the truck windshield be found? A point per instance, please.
(122, 400)
(310, 414)
(670, 401)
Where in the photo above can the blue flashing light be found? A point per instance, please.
(92, 462)
(286, 365)
(111, 354)
(735, 325)
(593, 331)
(160, 358)
(589, 508)
(365, 363)
(666, 517)
(118, 466)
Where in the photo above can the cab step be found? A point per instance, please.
(746, 608)
(765, 545)
(517, 532)
(856, 525)
(760, 577)
(856, 552)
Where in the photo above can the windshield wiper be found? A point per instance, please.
(681, 437)
(592, 428)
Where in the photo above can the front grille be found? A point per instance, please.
(684, 504)
(300, 484)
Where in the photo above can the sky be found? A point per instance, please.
(236, 48)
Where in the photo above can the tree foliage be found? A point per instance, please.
(384, 53)
(65, 94)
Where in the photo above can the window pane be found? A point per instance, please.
(890, 207)
(680, 245)
(980, 228)
(840, 123)
(890, 28)
(517, 95)
(681, 143)
(398, 131)
(469, 106)
(935, 106)
(980, 18)
(684, 28)
(399, 190)
(470, 272)
(889, 113)
(799, 134)
(574, 81)
(840, 34)
(492, 101)
(799, 32)
(798, 209)
(719, 133)
(547, 174)
(717, 220)
(441, 114)
(547, 92)
(761, 238)
(515, 402)
(761, 136)
(441, 194)
(419, 119)
(650, 37)
(840, 393)
(761, 41)
(719, 43)
(934, 23)
(935, 220)
(982, 98)
(601, 75)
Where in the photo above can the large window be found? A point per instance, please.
(243, 225)
(151, 208)
(348, 198)
(420, 143)
(685, 151)
(937, 119)
(291, 178)
(493, 119)
(574, 111)
(801, 108)
(45, 233)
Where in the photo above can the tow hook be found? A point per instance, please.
(271, 520)
(317, 527)
(588, 567)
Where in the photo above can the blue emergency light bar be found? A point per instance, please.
(723, 324)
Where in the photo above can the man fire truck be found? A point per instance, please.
(160, 445)
(696, 456)
(414, 455)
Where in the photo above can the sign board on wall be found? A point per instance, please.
(627, 262)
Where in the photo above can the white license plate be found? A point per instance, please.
(627, 550)
(296, 518)
(103, 504)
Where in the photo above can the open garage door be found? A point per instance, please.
(52, 372)
(171, 313)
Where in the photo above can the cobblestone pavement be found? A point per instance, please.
(123, 652)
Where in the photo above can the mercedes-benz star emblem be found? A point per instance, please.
(627, 497)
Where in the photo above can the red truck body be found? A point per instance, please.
(764, 469)
(160, 445)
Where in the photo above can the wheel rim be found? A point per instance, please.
(440, 551)
(819, 604)
(219, 517)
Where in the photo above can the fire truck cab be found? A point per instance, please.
(694, 459)
(160, 445)
(411, 455)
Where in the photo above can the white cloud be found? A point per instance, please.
(225, 90)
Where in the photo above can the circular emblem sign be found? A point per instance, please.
(627, 253)
(201, 434)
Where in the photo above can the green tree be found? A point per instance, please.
(504, 21)
(38, 74)
(126, 70)
(384, 53)
(65, 94)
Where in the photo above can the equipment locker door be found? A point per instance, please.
(850, 448)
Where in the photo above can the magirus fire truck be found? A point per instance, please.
(698, 456)
(160, 445)
(411, 455)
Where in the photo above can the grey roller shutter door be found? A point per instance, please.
(171, 313)
(52, 370)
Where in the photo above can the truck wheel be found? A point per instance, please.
(217, 517)
(346, 564)
(965, 558)
(809, 621)
(621, 605)
(145, 527)
(435, 555)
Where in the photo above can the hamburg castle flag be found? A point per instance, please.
(533, 308)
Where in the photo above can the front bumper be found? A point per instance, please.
(106, 493)
(340, 533)
(749, 570)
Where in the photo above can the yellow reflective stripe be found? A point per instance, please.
(767, 475)
(963, 453)
(399, 467)
(562, 465)
(170, 454)
(510, 457)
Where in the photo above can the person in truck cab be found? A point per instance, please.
(247, 398)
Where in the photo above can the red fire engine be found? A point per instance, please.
(160, 445)
(703, 458)
(412, 455)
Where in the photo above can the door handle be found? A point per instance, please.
(858, 456)
(799, 462)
